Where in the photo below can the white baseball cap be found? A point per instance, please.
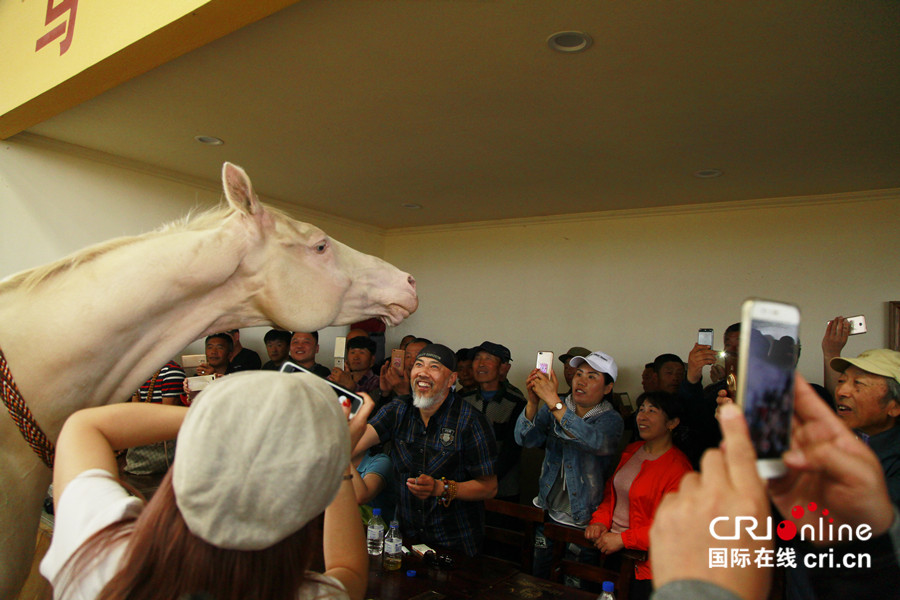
(600, 361)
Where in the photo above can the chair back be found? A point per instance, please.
(561, 566)
(510, 526)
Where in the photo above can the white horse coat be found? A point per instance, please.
(90, 329)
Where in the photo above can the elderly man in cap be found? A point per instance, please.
(501, 403)
(581, 435)
(867, 399)
(443, 453)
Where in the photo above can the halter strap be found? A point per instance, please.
(22, 416)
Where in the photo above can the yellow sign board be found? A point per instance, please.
(58, 53)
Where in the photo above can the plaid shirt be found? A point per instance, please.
(457, 444)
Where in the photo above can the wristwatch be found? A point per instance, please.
(559, 406)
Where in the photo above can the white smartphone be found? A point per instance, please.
(340, 352)
(857, 324)
(199, 382)
(705, 337)
(544, 362)
(770, 334)
(192, 360)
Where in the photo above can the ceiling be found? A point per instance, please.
(355, 108)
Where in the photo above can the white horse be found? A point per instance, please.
(91, 328)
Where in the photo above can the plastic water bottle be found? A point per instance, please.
(393, 548)
(375, 533)
(608, 592)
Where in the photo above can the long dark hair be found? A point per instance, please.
(163, 559)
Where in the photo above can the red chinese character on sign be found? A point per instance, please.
(63, 8)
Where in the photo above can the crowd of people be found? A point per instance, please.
(442, 430)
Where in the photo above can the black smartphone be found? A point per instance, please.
(770, 334)
(344, 395)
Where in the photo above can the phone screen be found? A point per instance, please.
(344, 396)
(705, 337)
(768, 397)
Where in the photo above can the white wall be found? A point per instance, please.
(637, 284)
(634, 284)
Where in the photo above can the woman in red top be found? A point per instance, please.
(649, 469)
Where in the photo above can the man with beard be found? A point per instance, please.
(443, 453)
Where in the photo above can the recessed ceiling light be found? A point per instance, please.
(708, 173)
(569, 41)
(412, 206)
(208, 140)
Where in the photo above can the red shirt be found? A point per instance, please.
(655, 479)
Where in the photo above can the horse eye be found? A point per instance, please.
(321, 247)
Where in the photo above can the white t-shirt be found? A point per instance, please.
(93, 500)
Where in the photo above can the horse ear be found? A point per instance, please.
(239, 190)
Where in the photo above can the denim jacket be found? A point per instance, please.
(587, 454)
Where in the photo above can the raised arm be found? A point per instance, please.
(90, 437)
(836, 333)
(344, 543)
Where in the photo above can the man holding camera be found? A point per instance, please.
(358, 374)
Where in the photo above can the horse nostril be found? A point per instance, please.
(412, 281)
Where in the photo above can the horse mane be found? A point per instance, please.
(194, 221)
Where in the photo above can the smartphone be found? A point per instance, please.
(340, 351)
(544, 362)
(345, 396)
(857, 324)
(770, 334)
(397, 358)
(199, 382)
(705, 337)
(192, 360)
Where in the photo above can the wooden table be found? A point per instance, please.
(471, 579)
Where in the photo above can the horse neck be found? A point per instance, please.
(93, 334)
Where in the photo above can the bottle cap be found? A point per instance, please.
(608, 586)
(376, 512)
(411, 573)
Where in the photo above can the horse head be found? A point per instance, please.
(294, 264)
